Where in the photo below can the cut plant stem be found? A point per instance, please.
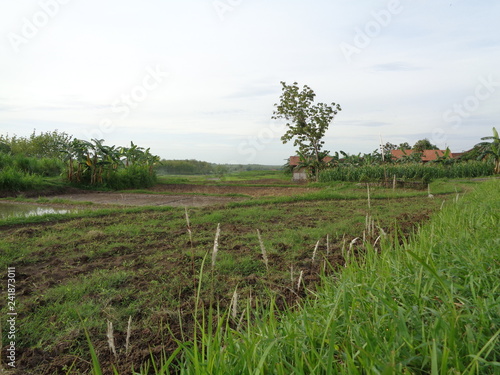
(263, 249)
(327, 244)
(234, 304)
(111, 338)
(315, 251)
(188, 225)
(300, 280)
(216, 245)
(129, 331)
(369, 202)
(429, 191)
(350, 249)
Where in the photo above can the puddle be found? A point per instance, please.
(25, 210)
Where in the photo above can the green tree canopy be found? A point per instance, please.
(424, 144)
(307, 122)
(404, 146)
(45, 144)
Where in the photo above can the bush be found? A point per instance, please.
(14, 180)
(46, 167)
(131, 177)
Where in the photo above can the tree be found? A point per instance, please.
(491, 149)
(388, 147)
(404, 146)
(4, 148)
(424, 144)
(307, 122)
(43, 145)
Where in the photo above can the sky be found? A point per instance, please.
(198, 79)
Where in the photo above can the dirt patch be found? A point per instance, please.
(179, 195)
(128, 199)
(252, 191)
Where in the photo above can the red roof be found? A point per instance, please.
(427, 155)
(295, 160)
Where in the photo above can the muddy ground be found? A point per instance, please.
(138, 199)
(184, 195)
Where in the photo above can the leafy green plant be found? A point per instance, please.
(491, 150)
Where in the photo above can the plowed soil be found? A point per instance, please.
(185, 195)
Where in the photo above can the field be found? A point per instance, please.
(149, 268)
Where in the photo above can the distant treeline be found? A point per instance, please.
(197, 167)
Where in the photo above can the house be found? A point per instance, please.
(427, 155)
(300, 173)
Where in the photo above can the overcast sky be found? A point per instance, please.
(198, 79)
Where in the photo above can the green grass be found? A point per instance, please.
(79, 270)
(351, 191)
(430, 305)
(247, 176)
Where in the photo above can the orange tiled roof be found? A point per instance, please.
(427, 155)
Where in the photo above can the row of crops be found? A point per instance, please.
(414, 171)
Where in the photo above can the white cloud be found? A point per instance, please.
(225, 74)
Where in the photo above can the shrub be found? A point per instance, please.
(14, 180)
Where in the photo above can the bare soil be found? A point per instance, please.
(252, 191)
(184, 195)
(132, 199)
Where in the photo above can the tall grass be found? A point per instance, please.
(414, 171)
(430, 305)
(46, 167)
(18, 172)
(15, 180)
(133, 177)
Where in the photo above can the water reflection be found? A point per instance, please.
(24, 210)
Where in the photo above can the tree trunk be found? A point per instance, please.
(316, 171)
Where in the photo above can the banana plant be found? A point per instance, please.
(132, 154)
(491, 150)
(312, 164)
(445, 159)
(94, 163)
(151, 160)
(76, 156)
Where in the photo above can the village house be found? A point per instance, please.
(300, 173)
(427, 155)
